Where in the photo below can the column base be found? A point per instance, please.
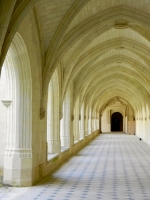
(65, 141)
(89, 131)
(17, 171)
(82, 135)
(85, 133)
(54, 146)
(76, 137)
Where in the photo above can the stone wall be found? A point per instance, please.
(48, 166)
(131, 127)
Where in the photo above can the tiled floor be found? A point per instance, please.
(111, 167)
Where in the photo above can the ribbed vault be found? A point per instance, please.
(103, 48)
(109, 58)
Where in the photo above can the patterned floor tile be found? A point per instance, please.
(111, 167)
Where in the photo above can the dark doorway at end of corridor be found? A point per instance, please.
(116, 122)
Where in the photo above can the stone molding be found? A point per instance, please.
(72, 117)
(120, 48)
(18, 153)
(79, 117)
(53, 142)
(65, 137)
(65, 140)
(42, 113)
(121, 26)
(6, 103)
(60, 115)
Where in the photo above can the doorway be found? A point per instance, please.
(116, 122)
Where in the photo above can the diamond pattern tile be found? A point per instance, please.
(112, 167)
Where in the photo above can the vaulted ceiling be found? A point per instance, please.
(103, 45)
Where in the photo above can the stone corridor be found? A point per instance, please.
(113, 166)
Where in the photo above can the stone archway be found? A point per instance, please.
(18, 103)
(116, 122)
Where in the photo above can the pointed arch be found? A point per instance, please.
(19, 114)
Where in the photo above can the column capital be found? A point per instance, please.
(79, 117)
(72, 117)
(60, 115)
(6, 102)
(54, 145)
(18, 153)
(42, 113)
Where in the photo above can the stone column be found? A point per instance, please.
(65, 130)
(53, 117)
(53, 138)
(93, 121)
(97, 120)
(86, 122)
(65, 126)
(66, 122)
(85, 125)
(76, 121)
(82, 133)
(110, 114)
(76, 127)
(18, 153)
(100, 123)
(90, 122)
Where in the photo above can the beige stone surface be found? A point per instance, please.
(66, 67)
